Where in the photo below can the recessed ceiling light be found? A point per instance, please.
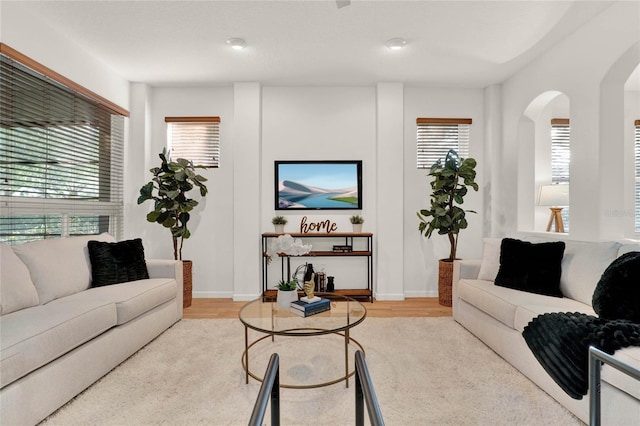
(237, 43)
(396, 43)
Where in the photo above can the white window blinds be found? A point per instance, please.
(62, 159)
(561, 157)
(637, 185)
(196, 139)
(436, 136)
(560, 150)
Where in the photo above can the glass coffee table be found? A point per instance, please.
(264, 316)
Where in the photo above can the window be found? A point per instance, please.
(637, 186)
(561, 157)
(61, 153)
(196, 139)
(436, 136)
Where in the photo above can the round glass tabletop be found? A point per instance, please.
(264, 315)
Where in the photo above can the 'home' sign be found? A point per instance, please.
(323, 225)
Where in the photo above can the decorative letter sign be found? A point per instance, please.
(324, 225)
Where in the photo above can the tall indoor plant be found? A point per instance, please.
(450, 183)
(169, 190)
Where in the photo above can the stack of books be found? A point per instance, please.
(342, 249)
(306, 308)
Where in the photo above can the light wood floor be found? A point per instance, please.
(414, 307)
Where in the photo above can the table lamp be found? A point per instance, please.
(556, 196)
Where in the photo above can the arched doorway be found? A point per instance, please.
(535, 140)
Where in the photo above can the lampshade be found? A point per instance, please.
(554, 195)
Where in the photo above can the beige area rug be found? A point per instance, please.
(426, 371)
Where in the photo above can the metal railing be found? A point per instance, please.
(269, 391)
(596, 358)
(365, 393)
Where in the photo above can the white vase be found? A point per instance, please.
(279, 229)
(357, 228)
(285, 297)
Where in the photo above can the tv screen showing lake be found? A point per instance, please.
(318, 186)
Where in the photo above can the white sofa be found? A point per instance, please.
(498, 315)
(58, 335)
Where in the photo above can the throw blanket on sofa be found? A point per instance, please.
(560, 342)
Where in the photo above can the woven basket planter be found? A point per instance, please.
(445, 282)
(187, 278)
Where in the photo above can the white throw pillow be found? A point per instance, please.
(60, 266)
(490, 259)
(16, 289)
(628, 248)
(582, 266)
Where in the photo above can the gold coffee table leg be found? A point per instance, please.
(348, 339)
(246, 354)
(346, 357)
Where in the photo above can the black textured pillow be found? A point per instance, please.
(617, 295)
(113, 263)
(535, 268)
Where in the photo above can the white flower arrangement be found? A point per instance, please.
(287, 245)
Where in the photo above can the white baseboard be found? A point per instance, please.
(432, 293)
(245, 297)
(389, 296)
(224, 295)
(248, 297)
(213, 295)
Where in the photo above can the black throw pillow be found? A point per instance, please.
(617, 294)
(535, 268)
(113, 263)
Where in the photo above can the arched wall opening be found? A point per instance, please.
(534, 156)
(619, 108)
(632, 154)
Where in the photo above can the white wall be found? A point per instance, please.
(320, 123)
(377, 125)
(390, 179)
(246, 191)
(312, 123)
(137, 162)
(211, 224)
(33, 37)
(421, 254)
(580, 67)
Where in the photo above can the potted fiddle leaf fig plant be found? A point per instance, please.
(451, 180)
(169, 189)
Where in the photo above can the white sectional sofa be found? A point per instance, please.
(58, 335)
(498, 315)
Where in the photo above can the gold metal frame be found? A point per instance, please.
(312, 332)
(342, 330)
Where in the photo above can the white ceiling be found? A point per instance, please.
(450, 43)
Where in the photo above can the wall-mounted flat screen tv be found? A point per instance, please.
(318, 185)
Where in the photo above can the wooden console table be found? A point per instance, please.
(346, 238)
